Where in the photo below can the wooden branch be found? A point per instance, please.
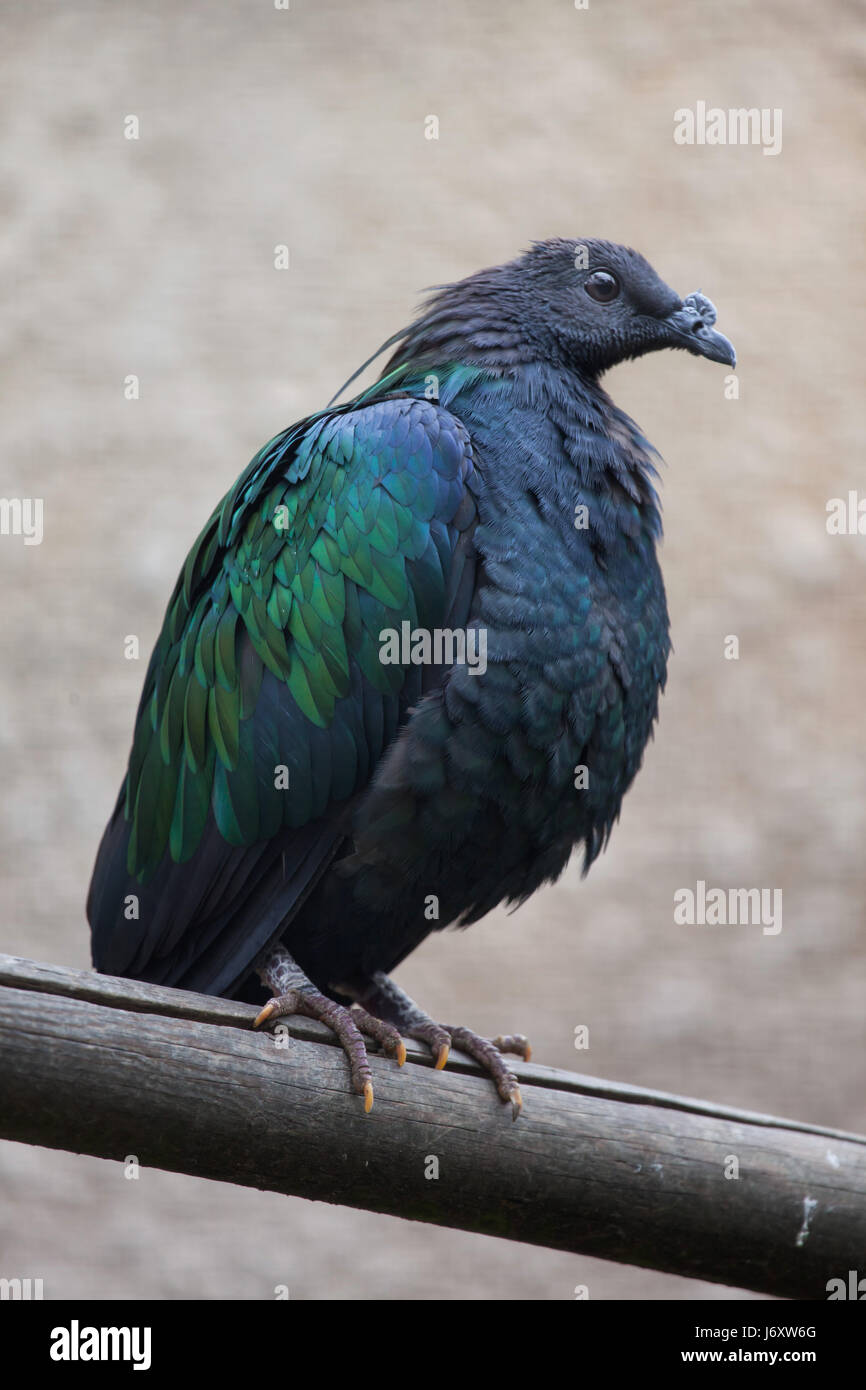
(116, 1068)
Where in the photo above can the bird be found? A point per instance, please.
(410, 664)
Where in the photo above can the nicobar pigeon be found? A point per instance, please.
(298, 812)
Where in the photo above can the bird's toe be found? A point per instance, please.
(488, 1054)
(435, 1036)
(515, 1043)
(388, 1037)
(345, 1025)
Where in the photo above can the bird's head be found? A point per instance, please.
(601, 303)
(583, 304)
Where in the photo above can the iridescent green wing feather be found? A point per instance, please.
(340, 527)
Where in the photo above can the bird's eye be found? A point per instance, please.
(601, 286)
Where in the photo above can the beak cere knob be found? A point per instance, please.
(703, 308)
(691, 327)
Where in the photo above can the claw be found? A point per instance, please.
(442, 1056)
(400, 1054)
(267, 1012)
(368, 1097)
(516, 1102)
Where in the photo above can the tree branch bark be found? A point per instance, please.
(116, 1068)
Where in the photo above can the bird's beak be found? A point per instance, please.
(691, 327)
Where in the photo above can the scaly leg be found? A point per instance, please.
(294, 993)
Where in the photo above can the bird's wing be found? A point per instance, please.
(266, 706)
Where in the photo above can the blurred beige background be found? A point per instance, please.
(155, 257)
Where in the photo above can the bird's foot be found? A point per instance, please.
(487, 1052)
(386, 1001)
(294, 993)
